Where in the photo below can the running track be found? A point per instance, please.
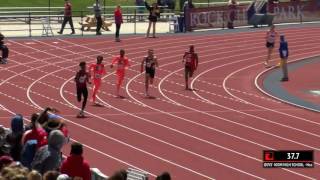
(217, 131)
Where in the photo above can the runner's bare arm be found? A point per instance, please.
(142, 63)
(184, 57)
(156, 61)
(197, 60)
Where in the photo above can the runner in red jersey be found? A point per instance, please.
(190, 60)
(81, 79)
(96, 71)
(122, 63)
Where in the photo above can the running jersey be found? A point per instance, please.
(150, 62)
(271, 36)
(121, 63)
(190, 59)
(82, 79)
(98, 70)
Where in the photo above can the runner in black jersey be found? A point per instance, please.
(150, 62)
(81, 79)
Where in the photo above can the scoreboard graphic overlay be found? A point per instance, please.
(288, 159)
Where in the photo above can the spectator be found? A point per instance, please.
(5, 161)
(49, 157)
(51, 175)
(14, 138)
(188, 5)
(67, 17)
(55, 122)
(119, 175)
(14, 172)
(33, 118)
(36, 133)
(140, 9)
(4, 145)
(251, 11)
(164, 176)
(232, 13)
(28, 152)
(181, 5)
(75, 165)
(34, 175)
(271, 5)
(4, 49)
(154, 14)
(118, 21)
(44, 115)
(63, 177)
(284, 54)
(97, 14)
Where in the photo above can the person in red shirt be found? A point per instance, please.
(37, 132)
(96, 71)
(122, 63)
(67, 17)
(75, 166)
(81, 79)
(190, 60)
(118, 21)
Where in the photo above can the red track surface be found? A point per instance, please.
(215, 132)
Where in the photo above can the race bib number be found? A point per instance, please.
(188, 58)
(284, 53)
(82, 79)
(120, 66)
(97, 76)
(98, 68)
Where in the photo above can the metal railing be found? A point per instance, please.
(29, 21)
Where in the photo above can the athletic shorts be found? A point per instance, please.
(269, 45)
(151, 72)
(188, 71)
(153, 18)
(80, 92)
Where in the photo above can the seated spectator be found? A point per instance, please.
(36, 133)
(4, 49)
(49, 157)
(119, 175)
(5, 161)
(34, 117)
(14, 171)
(164, 176)
(28, 152)
(55, 122)
(63, 177)
(44, 115)
(34, 175)
(75, 165)
(14, 138)
(4, 145)
(51, 175)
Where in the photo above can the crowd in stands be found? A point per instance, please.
(34, 151)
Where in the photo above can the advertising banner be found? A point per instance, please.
(284, 12)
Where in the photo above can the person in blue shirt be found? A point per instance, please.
(284, 54)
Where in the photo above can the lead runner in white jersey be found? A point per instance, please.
(270, 41)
